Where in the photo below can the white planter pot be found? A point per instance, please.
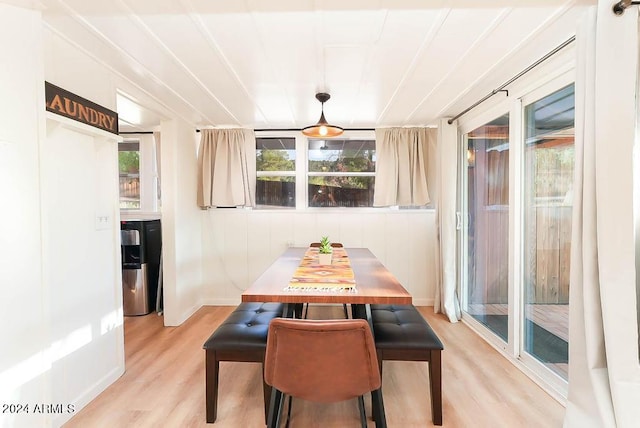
(324, 259)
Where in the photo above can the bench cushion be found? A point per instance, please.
(402, 327)
(245, 328)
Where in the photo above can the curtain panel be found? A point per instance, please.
(446, 298)
(226, 168)
(604, 374)
(402, 166)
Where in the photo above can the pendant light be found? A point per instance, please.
(322, 129)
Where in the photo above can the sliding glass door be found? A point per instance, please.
(548, 182)
(488, 225)
(517, 201)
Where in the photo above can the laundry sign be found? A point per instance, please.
(67, 104)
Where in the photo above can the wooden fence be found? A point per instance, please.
(547, 224)
(546, 260)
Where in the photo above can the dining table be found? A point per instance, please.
(369, 282)
(374, 283)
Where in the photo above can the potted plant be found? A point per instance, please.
(324, 252)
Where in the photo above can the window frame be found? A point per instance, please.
(302, 172)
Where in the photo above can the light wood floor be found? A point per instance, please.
(163, 385)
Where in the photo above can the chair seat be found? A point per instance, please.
(245, 328)
(402, 326)
(402, 334)
(242, 337)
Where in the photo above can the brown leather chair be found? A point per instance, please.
(322, 361)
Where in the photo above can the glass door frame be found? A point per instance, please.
(507, 347)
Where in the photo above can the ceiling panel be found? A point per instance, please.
(258, 64)
(204, 65)
(513, 31)
(453, 41)
(405, 35)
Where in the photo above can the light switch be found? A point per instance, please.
(103, 221)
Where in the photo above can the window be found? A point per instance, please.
(341, 173)
(276, 172)
(139, 176)
(295, 172)
(129, 172)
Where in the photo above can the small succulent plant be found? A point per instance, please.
(325, 246)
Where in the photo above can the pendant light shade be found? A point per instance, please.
(322, 129)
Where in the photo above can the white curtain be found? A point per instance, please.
(226, 168)
(604, 373)
(402, 166)
(446, 300)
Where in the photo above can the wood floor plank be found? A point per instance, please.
(163, 385)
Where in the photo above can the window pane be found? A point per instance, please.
(129, 173)
(275, 154)
(276, 192)
(342, 155)
(342, 173)
(275, 185)
(548, 180)
(488, 226)
(341, 191)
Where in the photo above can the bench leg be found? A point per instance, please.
(212, 367)
(435, 381)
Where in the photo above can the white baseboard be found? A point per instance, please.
(221, 302)
(423, 302)
(173, 322)
(90, 394)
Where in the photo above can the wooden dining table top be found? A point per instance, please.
(374, 283)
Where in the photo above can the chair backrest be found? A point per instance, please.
(333, 244)
(322, 361)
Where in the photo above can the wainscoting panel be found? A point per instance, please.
(238, 245)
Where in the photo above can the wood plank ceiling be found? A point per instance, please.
(258, 64)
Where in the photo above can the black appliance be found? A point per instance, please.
(141, 247)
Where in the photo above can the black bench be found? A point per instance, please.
(402, 334)
(241, 337)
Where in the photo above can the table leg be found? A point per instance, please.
(288, 310)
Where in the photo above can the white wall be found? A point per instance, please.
(81, 262)
(24, 363)
(81, 255)
(238, 245)
(181, 223)
(59, 272)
